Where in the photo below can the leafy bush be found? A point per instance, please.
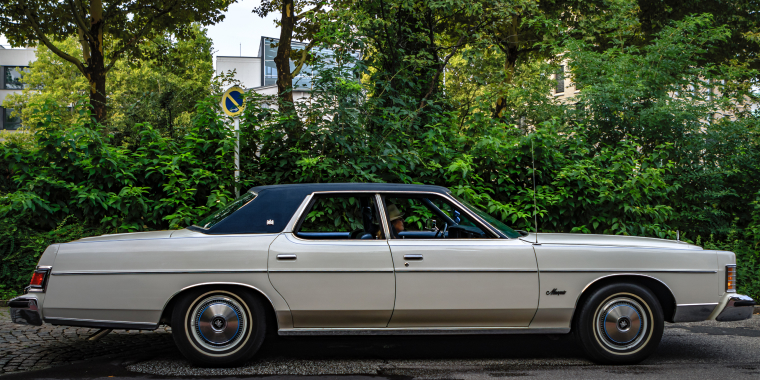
(73, 181)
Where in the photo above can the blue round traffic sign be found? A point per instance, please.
(232, 101)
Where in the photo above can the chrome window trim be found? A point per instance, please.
(302, 209)
(422, 331)
(447, 196)
(179, 271)
(291, 226)
(297, 215)
(381, 215)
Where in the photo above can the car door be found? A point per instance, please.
(335, 269)
(461, 277)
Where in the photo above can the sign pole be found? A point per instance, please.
(233, 103)
(237, 157)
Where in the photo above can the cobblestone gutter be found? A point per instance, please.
(23, 348)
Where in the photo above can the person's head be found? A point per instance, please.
(396, 218)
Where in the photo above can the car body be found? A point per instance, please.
(353, 259)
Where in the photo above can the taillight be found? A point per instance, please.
(39, 280)
(731, 278)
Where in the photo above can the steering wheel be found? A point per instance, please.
(443, 231)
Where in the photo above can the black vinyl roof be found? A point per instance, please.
(278, 203)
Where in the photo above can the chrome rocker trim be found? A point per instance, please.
(421, 331)
(118, 325)
(693, 312)
(24, 311)
(739, 307)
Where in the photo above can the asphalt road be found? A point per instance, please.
(705, 350)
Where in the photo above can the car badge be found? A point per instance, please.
(270, 222)
(555, 292)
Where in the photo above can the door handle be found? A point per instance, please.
(286, 257)
(413, 256)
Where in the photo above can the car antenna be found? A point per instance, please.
(535, 207)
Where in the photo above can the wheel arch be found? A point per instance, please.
(166, 313)
(661, 290)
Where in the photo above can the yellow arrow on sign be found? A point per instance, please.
(228, 96)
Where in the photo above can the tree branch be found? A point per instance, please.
(137, 36)
(317, 9)
(78, 18)
(53, 48)
(304, 55)
(442, 67)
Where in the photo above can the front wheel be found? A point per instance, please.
(620, 324)
(222, 327)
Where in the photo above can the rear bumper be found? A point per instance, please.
(739, 307)
(25, 311)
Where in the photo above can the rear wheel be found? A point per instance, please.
(221, 327)
(620, 324)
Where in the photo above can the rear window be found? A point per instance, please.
(228, 210)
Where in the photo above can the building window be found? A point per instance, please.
(302, 80)
(13, 77)
(560, 79)
(10, 122)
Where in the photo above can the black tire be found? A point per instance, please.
(619, 324)
(218, 327)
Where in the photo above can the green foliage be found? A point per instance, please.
(617, 189)
(162, 90)
(21, 246)
(662, 97)
(73, 182)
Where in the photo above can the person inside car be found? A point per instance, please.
(396, 219)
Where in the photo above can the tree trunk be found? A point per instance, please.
(282, 59)
(96, 65)
(511, 50)
(97, 79)
(509, 68)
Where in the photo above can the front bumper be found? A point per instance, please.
(25, 311)
(739, 307)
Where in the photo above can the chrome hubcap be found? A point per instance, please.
(218, 323)
(621, 323)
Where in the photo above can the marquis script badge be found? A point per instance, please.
(270, 222)
(555, 292)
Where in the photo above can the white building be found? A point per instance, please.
(260, 73)
(12, 64)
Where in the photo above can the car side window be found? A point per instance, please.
(428, 217)
(341, 217)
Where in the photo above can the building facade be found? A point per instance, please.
(260, 73)
(13, 62)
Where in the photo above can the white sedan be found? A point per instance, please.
(367, 259)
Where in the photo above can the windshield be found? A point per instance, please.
(226, 211)
(512, 234)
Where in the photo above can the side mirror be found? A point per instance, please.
(430, 225)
